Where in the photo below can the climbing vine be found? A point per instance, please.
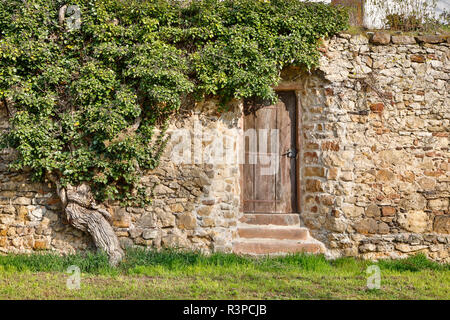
(85, 102)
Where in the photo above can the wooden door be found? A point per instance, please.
(356, 10)
(269, 169)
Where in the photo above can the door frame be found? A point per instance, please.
(299, 146)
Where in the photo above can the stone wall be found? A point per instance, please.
(374, 174)
(195, 203)
(376, 179)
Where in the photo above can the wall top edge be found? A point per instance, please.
(387, 38)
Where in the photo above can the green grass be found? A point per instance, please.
(173, 274)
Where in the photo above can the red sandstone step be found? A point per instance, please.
(288, 219)
(281, 233)
(274, 247)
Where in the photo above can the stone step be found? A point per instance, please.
(273, 232)
(288, 219)
(276, 247)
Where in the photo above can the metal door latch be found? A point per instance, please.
(291, 153)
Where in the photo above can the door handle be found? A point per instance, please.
(291, 153)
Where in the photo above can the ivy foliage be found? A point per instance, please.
(85, 103)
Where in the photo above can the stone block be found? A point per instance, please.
(352, 211)
(431, 39)
(36, 214)
(204, 211)
(150, 234)
(24, 201)
(161, 189)
(385, 175)
(146, 221)
(177, 207)
(366, 226)
(414, 221)
(9, 210)
(121, 218)
(438, 204)
(377, 107)
(167, 219)
(403, 39)
(187, 221)
(314, 172)
(126, 242)
(3, 242)
(381, 38)
(388, 211)
(418, 58)
(41, 245)
(313, 185)
(373, 211)
(442, 224)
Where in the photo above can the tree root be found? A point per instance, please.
(84, 214)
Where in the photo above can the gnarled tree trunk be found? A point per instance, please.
(84, 214)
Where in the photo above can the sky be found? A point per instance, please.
(441, 5)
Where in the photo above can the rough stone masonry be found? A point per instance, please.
(374, 164)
